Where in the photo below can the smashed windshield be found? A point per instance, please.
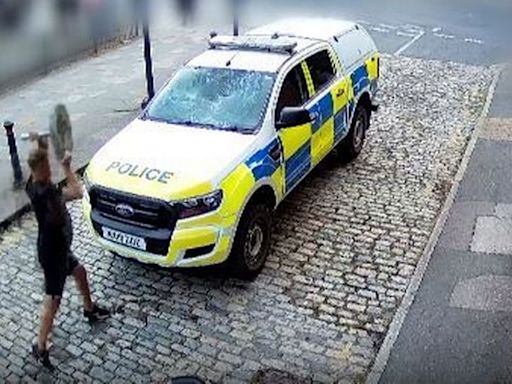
(215, 97)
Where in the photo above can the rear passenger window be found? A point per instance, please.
(353, 46)
(293, 92)
(321, 68)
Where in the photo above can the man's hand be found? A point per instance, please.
(39, 141)
(66, 160)
(33, 136)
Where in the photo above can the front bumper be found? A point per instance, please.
(195, 242)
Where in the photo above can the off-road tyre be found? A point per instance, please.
(252, 242)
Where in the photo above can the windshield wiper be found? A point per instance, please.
(196, 124)
(189, 123)
(244, 131)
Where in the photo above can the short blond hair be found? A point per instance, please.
(36, 157)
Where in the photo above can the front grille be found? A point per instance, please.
(154, 220)
(147, 212)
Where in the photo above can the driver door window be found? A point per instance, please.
(293, 92)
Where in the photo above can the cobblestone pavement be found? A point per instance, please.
(346, 244)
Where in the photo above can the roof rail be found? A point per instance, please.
(273, 44)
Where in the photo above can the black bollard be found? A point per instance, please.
(236, 17)
(13, 151)
(150, 82)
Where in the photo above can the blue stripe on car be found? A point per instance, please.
(262, 164)
(324, 111)
(298, 165)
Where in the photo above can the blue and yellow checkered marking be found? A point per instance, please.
(360, 79)
(262, 164)
(323, 111)
(306, 145)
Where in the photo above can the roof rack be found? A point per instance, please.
(274, 44)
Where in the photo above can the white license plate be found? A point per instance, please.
(124, 239)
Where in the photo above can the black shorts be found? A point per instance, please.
(55, 275)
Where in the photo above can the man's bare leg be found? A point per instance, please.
(80, 275)
(91, 311)
(49, 310)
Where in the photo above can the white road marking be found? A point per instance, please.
(407, 34)
(414, 32)
(412, 28)
(473, 41)
(409, 43)
(387, 26)
(444, 36)
(378, 29)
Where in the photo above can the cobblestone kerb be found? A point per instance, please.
(346, 244)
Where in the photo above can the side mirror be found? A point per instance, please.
(293, 116)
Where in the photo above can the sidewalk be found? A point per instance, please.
(458, 330)
(102, 93)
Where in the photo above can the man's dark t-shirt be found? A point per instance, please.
(54, 222)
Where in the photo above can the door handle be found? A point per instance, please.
(340, 92)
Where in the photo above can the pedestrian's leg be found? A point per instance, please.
(50, 307)
(92, 311)
(80, 275)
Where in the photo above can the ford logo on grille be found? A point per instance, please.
(124, 210)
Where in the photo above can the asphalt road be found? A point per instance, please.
(468, 31)
(458, 328)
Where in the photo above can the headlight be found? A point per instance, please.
(199, 205)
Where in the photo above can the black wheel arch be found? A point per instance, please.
(365, 101)
(265, 195)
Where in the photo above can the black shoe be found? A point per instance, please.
(96, 314)
(42, 357)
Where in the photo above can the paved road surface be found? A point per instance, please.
(458, 328)
(346, 243)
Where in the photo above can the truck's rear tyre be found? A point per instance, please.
(252, 242)
(352, 145)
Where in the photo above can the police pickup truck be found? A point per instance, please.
(193, 181)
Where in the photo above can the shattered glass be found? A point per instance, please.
(217, 98)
